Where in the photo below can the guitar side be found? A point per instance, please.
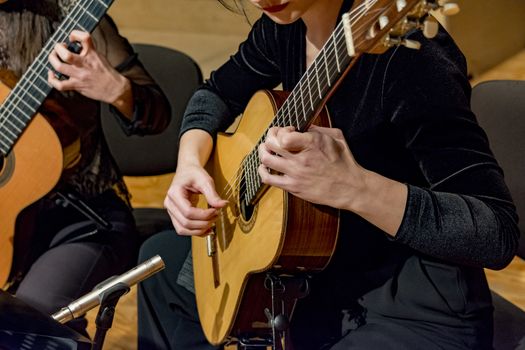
(277, 235)
(27, 173)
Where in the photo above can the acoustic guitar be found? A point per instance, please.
(31, 155)
(265, 229)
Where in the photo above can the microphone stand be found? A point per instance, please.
(104, 320)
(107, 294)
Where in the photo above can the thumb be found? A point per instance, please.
(213, 198)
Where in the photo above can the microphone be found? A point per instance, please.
(89, 301)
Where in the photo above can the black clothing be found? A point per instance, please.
(405, 115)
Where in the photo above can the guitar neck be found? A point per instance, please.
(32, 89)
(305, 101)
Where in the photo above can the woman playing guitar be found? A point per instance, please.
(423, 204)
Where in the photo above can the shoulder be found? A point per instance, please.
(438, 58)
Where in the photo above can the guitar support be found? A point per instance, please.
(285, 290)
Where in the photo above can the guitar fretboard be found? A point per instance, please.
(32, 89)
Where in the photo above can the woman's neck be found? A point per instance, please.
(320, 21)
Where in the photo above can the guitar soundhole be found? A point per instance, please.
(245, 208)
(7, 167)
(246, 211)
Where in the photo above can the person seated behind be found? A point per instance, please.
(424, 207)
(61, 264)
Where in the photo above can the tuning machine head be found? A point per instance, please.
(446, 7)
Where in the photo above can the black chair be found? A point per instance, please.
(500, 108)
(178, 75)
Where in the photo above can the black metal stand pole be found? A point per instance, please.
(106, 312)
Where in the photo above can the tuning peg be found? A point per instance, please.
(450, 9)
(383, 22)
(401, 4)
(430, 27)
(411, 44)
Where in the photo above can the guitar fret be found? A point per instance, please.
(326, 67)
(296, 112)
(6, 128)
(13, 130)
(317, 79)
(5, 145)
(103, 4)
(88, 13)
(336, 56)
(34, 88)
(12, 122)
(309, 90)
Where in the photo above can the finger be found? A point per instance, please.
(58, 64)
(211, 195)
(185, 207)
(272, 160)
(189, 224)
(66, 56)
(268, 178)
(181, 230)
(84, 38)
(54, 81)
(61, 85)
(295, 141)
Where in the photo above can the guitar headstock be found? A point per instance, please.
(373, 26)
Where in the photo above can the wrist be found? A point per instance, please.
(381, 201)
(123, 98)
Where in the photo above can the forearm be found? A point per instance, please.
(381, 202)
(195, 147)
(123, 99)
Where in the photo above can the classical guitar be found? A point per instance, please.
(265, 231)
(31, 155)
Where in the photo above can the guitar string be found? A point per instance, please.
(286, 106)
(35, 71)
(252, 156)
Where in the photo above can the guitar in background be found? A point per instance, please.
(31, 155)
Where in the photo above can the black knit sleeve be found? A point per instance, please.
(465, 214)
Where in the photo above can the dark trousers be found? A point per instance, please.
(65, 266)
(168, 316)
(167, 311)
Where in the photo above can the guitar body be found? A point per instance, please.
(282, 233)
(27, 173)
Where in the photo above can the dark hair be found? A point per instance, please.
(233, 5)
(236, 6)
